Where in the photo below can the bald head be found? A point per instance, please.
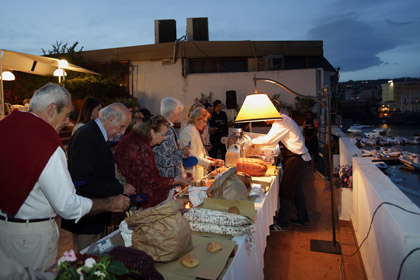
(115, 118)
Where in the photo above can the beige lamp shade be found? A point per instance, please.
(257, 107)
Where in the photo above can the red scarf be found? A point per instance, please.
(26, 144)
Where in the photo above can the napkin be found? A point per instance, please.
(197, 195)
(126, 233)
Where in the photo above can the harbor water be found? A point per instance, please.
(406, 179)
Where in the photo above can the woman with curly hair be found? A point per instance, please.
(136, 162)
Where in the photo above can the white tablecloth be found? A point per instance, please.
(250, 265)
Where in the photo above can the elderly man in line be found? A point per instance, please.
(92, 168)
(168, 154)
(36, 185)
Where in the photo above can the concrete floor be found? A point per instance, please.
(288, 254)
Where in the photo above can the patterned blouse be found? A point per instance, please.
(168, 155)
(136, 162)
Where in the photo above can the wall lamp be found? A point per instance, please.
(252, 110)
(62, 63)
(7, 76)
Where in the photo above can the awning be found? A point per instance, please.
(32, 64)
(35, 64)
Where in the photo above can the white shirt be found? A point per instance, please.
(289, 133)
(102, 128)
(191, 134)
(54, 193)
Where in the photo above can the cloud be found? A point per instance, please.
(351, 43)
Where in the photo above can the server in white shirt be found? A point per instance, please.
(294, 160)
(36, 185)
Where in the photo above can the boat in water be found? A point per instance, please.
(411, 160)
(389, 152)
(380, 164)
(414, 141)
(357, 128)
(377, 132)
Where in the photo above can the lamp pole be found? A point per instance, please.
(333, 246)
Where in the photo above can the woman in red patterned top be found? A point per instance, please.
(136, 162)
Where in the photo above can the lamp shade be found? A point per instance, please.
(60, 73)
(257, 107)
(7, 76)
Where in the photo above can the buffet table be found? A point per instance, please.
(250, 265)
(246, 263)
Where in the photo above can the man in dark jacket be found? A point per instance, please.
(218, 129)
(91, 165)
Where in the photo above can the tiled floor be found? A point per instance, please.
(288, 254)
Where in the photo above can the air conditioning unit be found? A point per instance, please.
(197, 29)
(165, 30)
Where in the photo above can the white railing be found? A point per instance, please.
(394, 232)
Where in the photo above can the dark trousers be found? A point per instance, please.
(313, 149)
(291, 189)
(215, 149)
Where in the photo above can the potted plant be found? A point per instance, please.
(344, 183)
(81, 266)
(344, 180)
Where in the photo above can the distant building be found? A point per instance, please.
(193, 65)
(401, 96)
(370, 94)
(410, 102)
(386, 109)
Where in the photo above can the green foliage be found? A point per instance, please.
(280, 105)
(97, 86)
(303, 105)
(205, 98)
(64, 51)
(100, 87)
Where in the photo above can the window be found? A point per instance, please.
(294, 63)
(216, 65)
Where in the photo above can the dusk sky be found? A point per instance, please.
(371, 39)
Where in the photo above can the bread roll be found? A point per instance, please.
(214, 246)
(233, 210)
(190, 261)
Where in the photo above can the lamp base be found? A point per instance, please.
(324, 246)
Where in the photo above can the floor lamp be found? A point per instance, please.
(324, 246)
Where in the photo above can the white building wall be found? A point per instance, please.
(394, 232)
(152, 81)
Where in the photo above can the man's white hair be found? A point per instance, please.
(170, 104)
(49, 94)
(115, 109)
